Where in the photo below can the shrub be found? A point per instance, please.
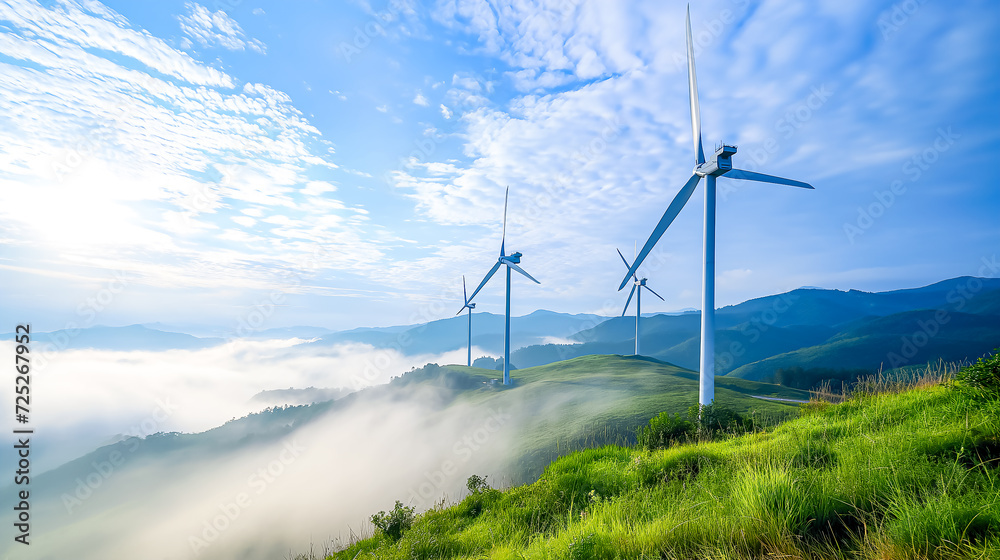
(714, 419)
(477, 484)
(663, 431)
(984, 374)
(394, 523)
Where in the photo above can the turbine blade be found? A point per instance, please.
(629, 300)
(622, 256)
(625, 261)
(521, 270)
(654, 293)
(503, 236)
(760, 177)
(675, 207)
(699, 151)
(465, 295)
(489, 275)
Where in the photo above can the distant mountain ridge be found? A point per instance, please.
(811, 328)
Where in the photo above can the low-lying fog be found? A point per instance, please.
(82, 399)
(258, 501)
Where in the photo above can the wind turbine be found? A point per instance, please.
(720, 164)
(637, 285)
(511, 261)
(470, 306)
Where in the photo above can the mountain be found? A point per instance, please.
(452, 334)
(132, 337)
(293, 396)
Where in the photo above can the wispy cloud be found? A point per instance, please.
(210, 29)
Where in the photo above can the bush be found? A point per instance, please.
(715, 419)
(476, 484)
(663, 431)
(984, 374)
(394, 523)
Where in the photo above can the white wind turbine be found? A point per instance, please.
(637, 286)
(719, 164)
(470, 306)
(511, 261)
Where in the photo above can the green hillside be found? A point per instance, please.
(902, 339)
(908, 475)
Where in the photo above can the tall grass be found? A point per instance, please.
(896, 381)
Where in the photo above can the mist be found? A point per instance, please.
(82, 399)
(279, 480)
(146, 495)
(315, 485)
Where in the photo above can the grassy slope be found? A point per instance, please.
(596, 400)
(911, 475)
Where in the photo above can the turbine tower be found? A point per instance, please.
(470, 306)
(637, 285)
(511, 261)
(720, 164)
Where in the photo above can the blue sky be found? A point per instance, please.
(343, 164)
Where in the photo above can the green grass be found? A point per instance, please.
(905, 475)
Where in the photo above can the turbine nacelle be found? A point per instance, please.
(720, 164)
(514, 258)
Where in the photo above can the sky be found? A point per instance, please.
(343, 164)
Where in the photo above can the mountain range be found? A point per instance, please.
(810, 328)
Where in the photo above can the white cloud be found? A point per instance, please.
(445, 111)
(421, 100)
(71, 30)
(556, 41)
(314, 188)
(210, 29)
(136, 170)
(382, 109)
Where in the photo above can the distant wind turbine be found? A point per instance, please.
(470, 306)
(511, 261)
(637, 285)
(720, 164)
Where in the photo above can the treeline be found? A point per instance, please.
(810, 378)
